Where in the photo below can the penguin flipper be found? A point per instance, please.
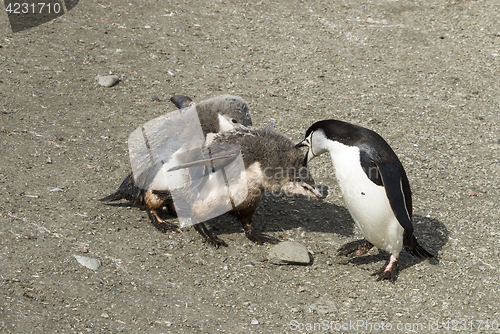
(393, 185)
(181, 101)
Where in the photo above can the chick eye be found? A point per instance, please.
(234, 121)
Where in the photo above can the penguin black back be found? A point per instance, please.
(373, 149)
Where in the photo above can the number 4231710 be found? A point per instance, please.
(471, 325)
(33, 8)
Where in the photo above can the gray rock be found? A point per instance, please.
(323, 307)
(88, 262)
(289, 252)
(107, 80)
(171, 242)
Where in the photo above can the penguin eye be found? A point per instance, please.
(234, 121)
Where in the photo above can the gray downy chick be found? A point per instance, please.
(218, 114)
(272, 163)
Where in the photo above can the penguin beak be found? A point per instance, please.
(301, 144)
(309, 154)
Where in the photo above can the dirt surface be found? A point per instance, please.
(423, 74)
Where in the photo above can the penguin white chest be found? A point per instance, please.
(367, 202)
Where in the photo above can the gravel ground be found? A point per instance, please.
(423, 74)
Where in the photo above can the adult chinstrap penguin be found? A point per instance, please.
(218, 114)
(374, 186)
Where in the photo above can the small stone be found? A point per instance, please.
(108, 80)
(55, 190)
(171, 242)
(289, 252)
(88, 262)
(48, 161)
(323, 307)
(254, 322)
(105, 315)
(147, 27)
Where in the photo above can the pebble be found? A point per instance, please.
(289, 252)
(323, 307)
(171, 242)
(55, 190)
(107, 80)
(88, 262)
(254, 322)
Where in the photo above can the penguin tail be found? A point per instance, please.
(128, 190)
(113, 197)
(413, 247)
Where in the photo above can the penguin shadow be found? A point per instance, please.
(278, 213)
(431, 234)
(163, 213)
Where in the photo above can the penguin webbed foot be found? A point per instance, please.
(209, 236)
(355, 248)
(258, 237)
(160, 224)
(389, 271)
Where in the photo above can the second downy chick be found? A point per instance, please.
(272, 163)
(218, 114)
